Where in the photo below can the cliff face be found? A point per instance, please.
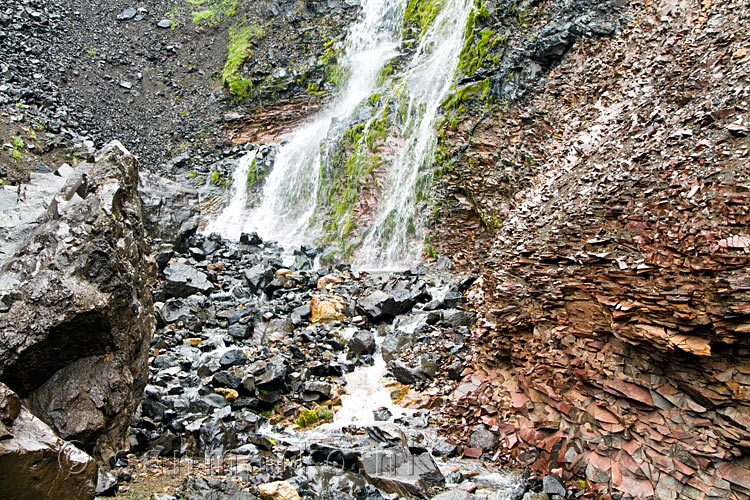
(609, 205)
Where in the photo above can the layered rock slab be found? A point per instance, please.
(75, 334)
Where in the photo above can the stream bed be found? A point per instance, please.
(274, 373)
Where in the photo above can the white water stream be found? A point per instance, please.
(291, 204)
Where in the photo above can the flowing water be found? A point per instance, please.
(295, 205)
(293, 198)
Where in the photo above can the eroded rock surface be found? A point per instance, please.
(74, 340)
(35, 463)
(610, 211)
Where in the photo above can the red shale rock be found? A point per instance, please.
(615, 341)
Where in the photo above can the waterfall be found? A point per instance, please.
(312, 194)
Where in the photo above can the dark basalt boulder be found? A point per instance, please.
(36, 464)
(75, 335)
(397, 470)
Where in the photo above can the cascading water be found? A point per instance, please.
(295, 203)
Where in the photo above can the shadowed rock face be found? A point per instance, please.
(78, 319)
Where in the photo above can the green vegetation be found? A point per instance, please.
(17, 142)
(349, 168)
(213, 11)
(385, 73)
(16, 154)
(477, 42)
(418, 16)
(308, 418)
(254, 176)
(335, 71)
(237, 52)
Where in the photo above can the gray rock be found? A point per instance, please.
(126, 14)
(74, 342)
(552, 486)
(483, 438)
(444, 449)
(316, 391)
(164, 23)
(457, 317)
(233, 357)
(275, 330)
(427, 366)
(183, 280)
(403, 373)
(259, 276)
(21, 215)
(396, 470)
(211, 488)
(106, 484)
(382, 414)
(35, 463)
(362, 342)
(399, 298)
(240, 331)
(454, 494)
(171, 210)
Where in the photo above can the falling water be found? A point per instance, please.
(291, 202)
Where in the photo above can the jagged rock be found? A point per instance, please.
(278, 490)
(552, 486)
(170, 209)
(20, 216)
(259, 276)
(316, 391)
(250, 239)
(403, 373)
(75, 339)
(363, 341)
(343, 457)
(398, 298)
(273, 373)
(382, 414)
(106, 484)
(34, 462)
(212, 488)
(483, 439)
(396, 470)
(183, 280)
(444, 449)
(233, 357)
(275, 330)
(454, 494)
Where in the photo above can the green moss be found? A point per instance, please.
(16, 154)
(213, 11)
(385, 72)
(333, 68)
(308, 418)
(477, 42)
(419, 15)
(17, 142)
(314, 89)
(252, 174)
(215, 177)
(237, 51)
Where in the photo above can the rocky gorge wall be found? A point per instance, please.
(608, 202)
